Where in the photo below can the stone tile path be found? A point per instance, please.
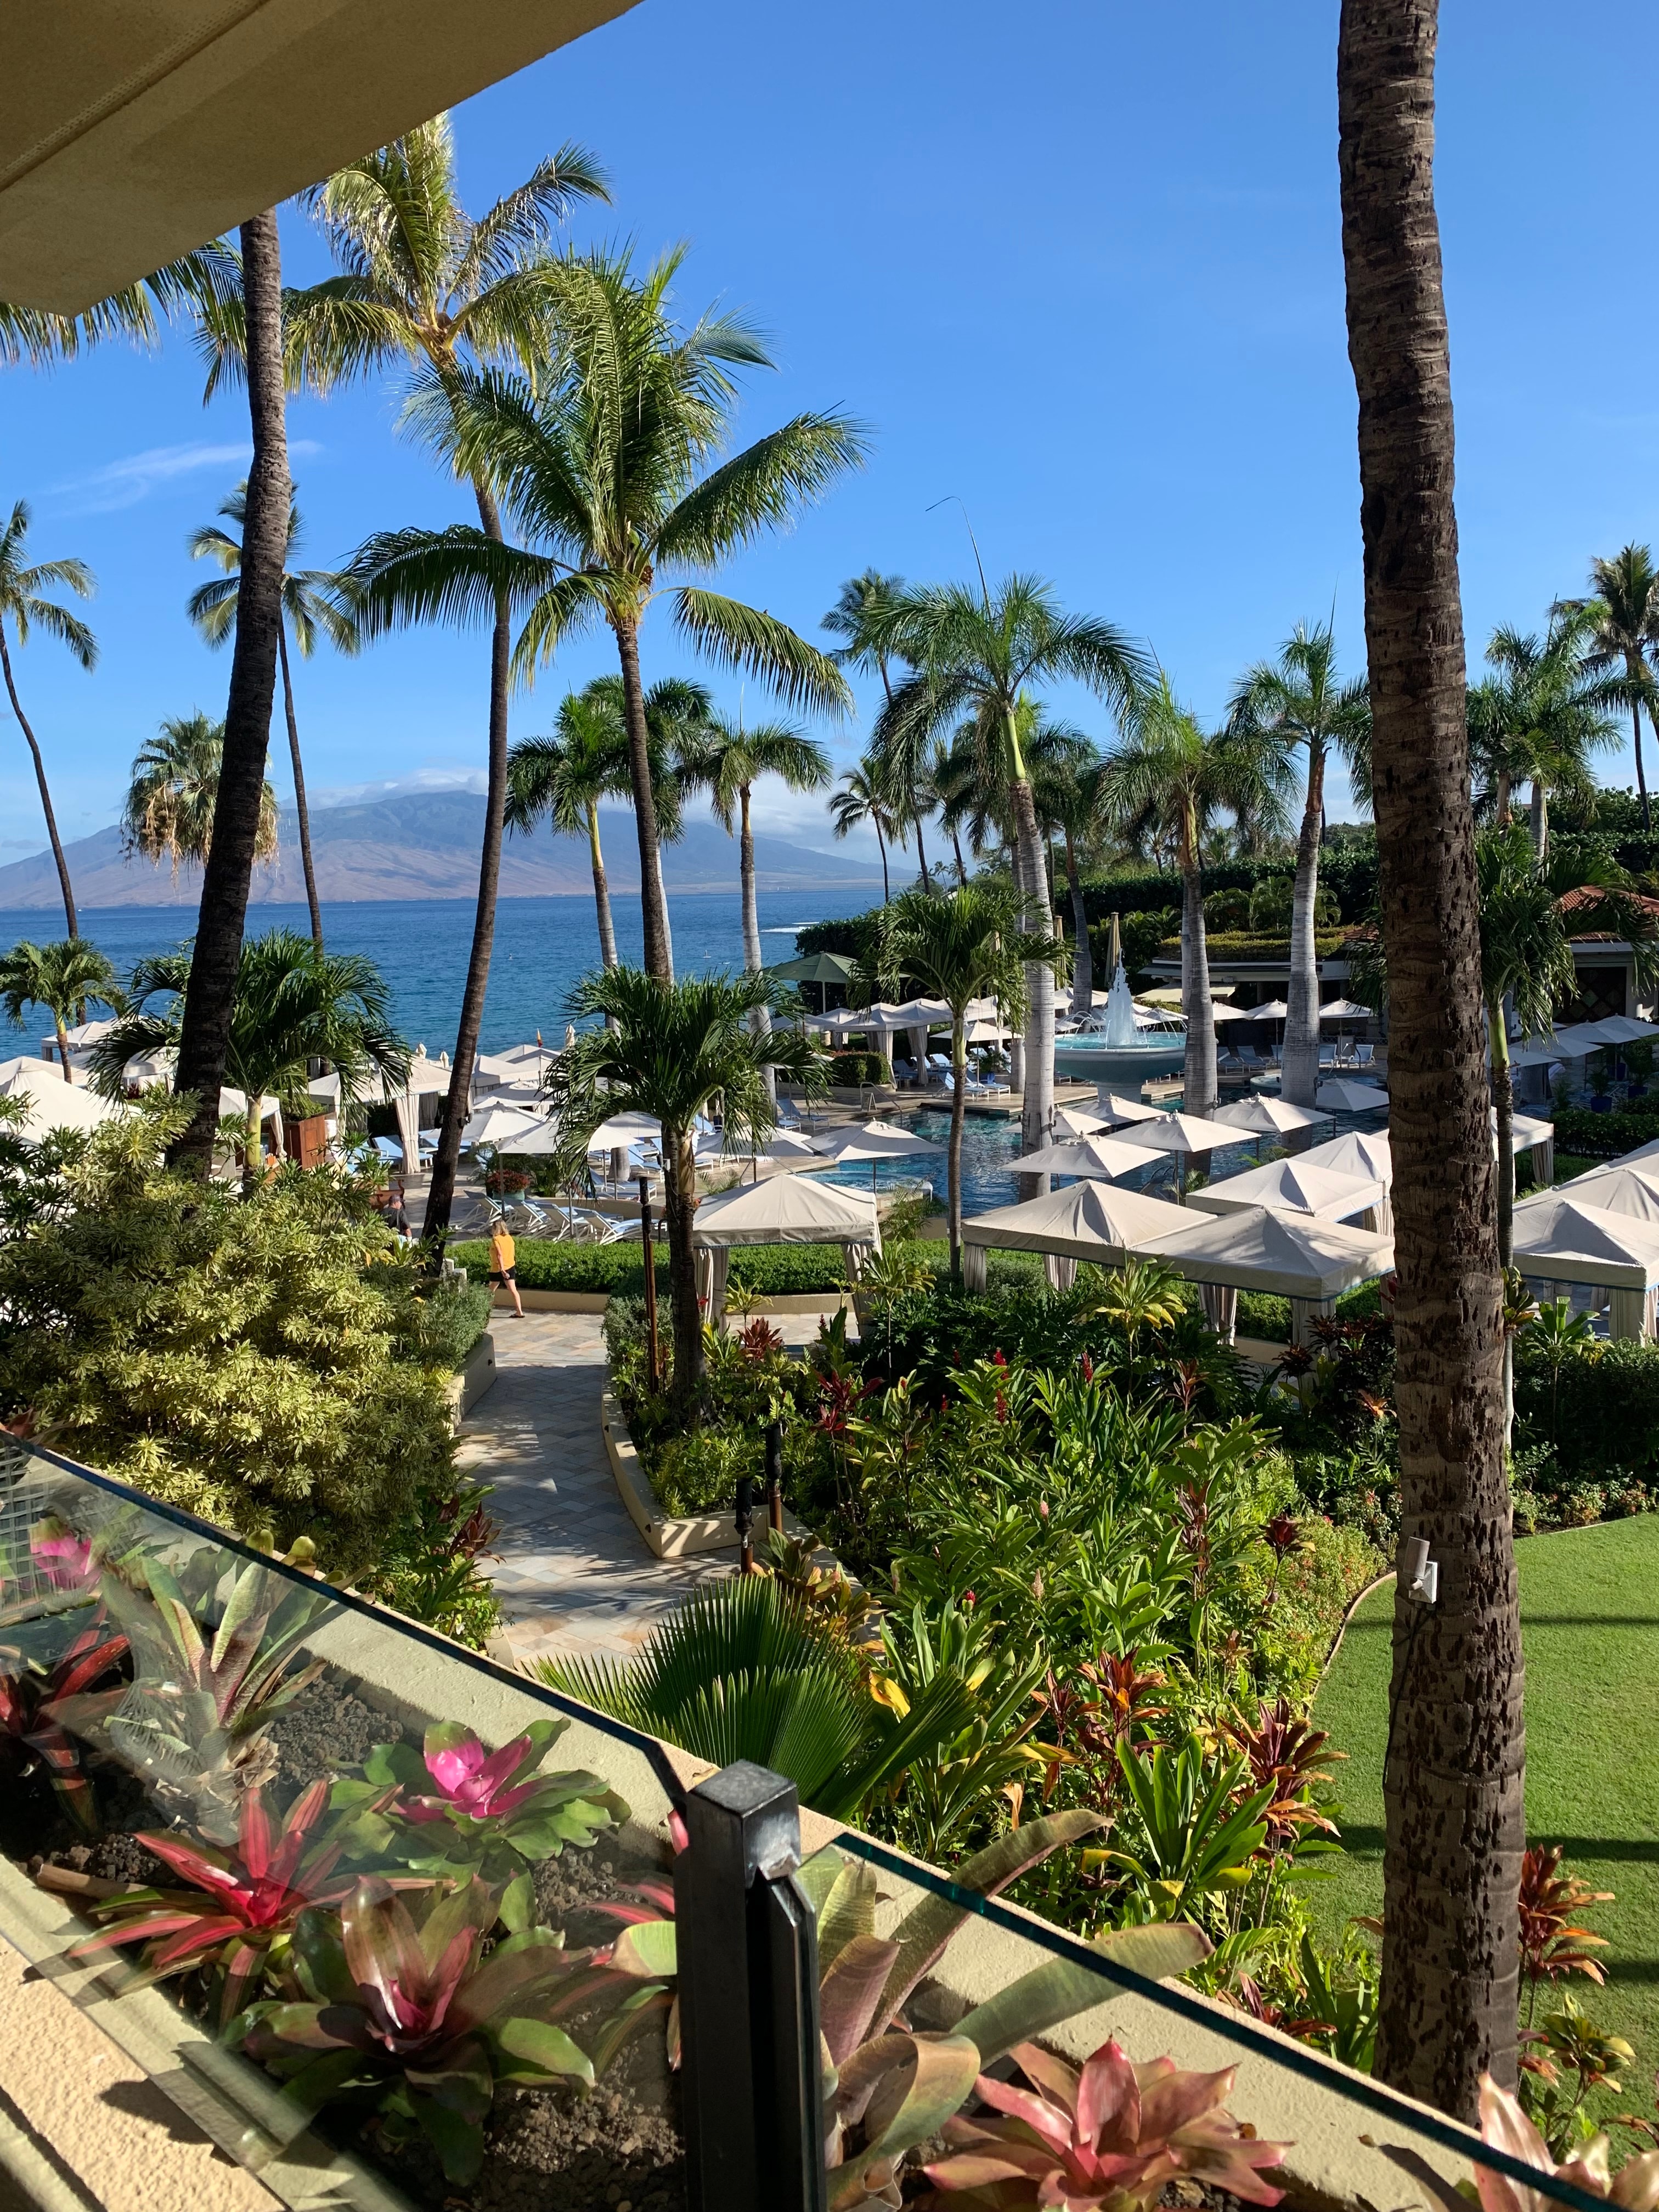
(574, 1575)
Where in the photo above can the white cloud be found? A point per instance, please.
(425, 779)
(124, 483)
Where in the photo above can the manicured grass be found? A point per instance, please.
(1589, 1611)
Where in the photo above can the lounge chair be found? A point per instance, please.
(1365, 1056)
(1249, 1058)
(389, 1150)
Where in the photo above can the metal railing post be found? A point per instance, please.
(753, 2104)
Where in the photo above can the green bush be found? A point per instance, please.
(260, 1361)
(1600, 1418)
(618, 1270)
(1246, 944)
(698, 1473)
(860, 1067)
(1600, 1136)
(451, 1320)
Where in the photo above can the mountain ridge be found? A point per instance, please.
(425, 845)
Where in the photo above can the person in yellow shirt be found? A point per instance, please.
(503, 1254)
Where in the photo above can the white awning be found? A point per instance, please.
(794, 1209)
(1286, 1255)
(1293, 1187)
(1085, 1221)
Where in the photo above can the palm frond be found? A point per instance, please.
(753, 643)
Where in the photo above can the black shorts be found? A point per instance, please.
(511, 1276)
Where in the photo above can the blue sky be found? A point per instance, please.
(1076, 263)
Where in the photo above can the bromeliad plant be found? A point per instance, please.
(1111, 2136)
(236, 1918)
(393, 2006)
(32, 1697)
(453, 1808)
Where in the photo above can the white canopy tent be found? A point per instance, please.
(1087, 1220)
(1286, 1255)
(1619, 1187)
(52, 1102)
(1293, 1187)
(1105, 1156)
(783, 1210)
(1364, 1152)
(1561, 1239)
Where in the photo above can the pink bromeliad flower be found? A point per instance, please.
(468, 1780)
(64, 1557)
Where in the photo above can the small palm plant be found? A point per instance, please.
(670, 1050)
(65, 978)
(169, 814)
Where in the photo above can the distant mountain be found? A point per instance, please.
(424, 844)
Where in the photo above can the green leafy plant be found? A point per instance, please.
(1505, 2124)
(1192, 1825)
(1109, 2134)
(32, 1731)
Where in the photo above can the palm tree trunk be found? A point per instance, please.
(1083, 972)
(760, 1020)
(204, 1033)
(253, 1140)
(56, 842)
(601, 890)
(1453, 1789)
(63, 1045)
(1196, 1003)
(680, 1197)
(922, 849)
(886, 884)
(1500, 799)
(1038, 918)
(653, 904)
(1300, 1062)
(446, 1161)
(961, 870)
(301, 812)
(1636, 740)
(1540, 817)
(953, 1157)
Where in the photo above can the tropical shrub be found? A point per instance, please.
(255, 1360)
(1604, 1136)
(1594, 1404)
(449, 1321)
(858, 1068)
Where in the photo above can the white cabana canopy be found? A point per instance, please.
(1293, 1187)
(1286, 1255)
(1085, 1220)
(1628, 1190)
(52, 1104)
(1345, 1096)
(783, 1210)
(1361, 1152)
(1268, 1117)
(1105, 1156)
(1562, 1238)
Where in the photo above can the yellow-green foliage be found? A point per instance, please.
(259, 1361)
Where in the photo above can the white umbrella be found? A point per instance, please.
(538, 1142)
(1271, 1010)
(1189, 1136)
(1268, 1117)
(1344, 1010)
(1347, 1097)
(500, 1126)
(1116, 1111)
(874, 1141)
(1072, 1121)
(1221, 1013)
(623, 1130)
(1105, 1156)
(1360, 1152)
(788, 1145)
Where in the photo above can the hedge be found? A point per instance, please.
(1600, 1136)
(1602, 1418)
(773, 1270)
(859, 1068)
(1248, 944)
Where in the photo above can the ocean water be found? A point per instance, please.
(543, 947)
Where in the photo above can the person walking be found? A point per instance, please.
(503, 1270)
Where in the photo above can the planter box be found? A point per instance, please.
(671, 1536)
(476, 1374)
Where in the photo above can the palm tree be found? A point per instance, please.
(600, 460)
(964, 946)
(1297, 702)
(424, 285)
(64, 978)
(41, 336)
(667, 1049)
(293, 1004)
(1167, 772)
(22, 604)
(1071, 800)
(1539, 718)
(864, 797)
(1623, 634)
(308, 608)
(729, 764)
(1454, 1788)
(174, 789)
(858, 615)
(976, 654)
(563, 778)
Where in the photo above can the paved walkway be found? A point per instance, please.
(574, 1575)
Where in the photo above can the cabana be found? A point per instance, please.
(1363, 1152)
(784, 1210)
(1088, 1220)
(52, 1101)
(1615, 1188)
(1561, 1239)
(1292, 1186)
(1284, 1255)
(1342, 1095)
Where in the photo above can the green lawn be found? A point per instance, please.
(1589, 1609)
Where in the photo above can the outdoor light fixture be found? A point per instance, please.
(1419, 1575)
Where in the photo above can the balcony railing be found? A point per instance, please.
(393, 1924)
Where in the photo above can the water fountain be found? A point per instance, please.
(1117, 1043)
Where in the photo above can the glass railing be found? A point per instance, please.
(368, 1907)
(398, 1927)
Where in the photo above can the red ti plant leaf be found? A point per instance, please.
(31, 1727)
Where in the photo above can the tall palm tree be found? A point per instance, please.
(1298, 703)
(64, 978)
(863, 797)
(728, 765)
(1071, 800)
(975, 654)
(667, 1050)
(1624, 637)
(563, 778)
(603, 462)
(23, 604)
(175, 790)
(1454, 1787)
(1538, 718)
(965, 945)
(309, 608)
(293, 1004)
(858, 615)
(423, 285)
(1167, 772)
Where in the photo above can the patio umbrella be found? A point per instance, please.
(1116, 1111)
(1105, 1156)
(814, 968)
(1347, 1097)
(1268, 1117)
(499, 1126)
(1270, 1010)
(1072, 1121)
(874, 1141)
(1188, 1136)
(1344, 1010)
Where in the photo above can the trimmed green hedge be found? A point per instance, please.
(860, 1067)
(1600, 1136)
(1601, 1417)
(1249, 945)
(774, 1270)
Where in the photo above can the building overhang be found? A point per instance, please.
(133, 130)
